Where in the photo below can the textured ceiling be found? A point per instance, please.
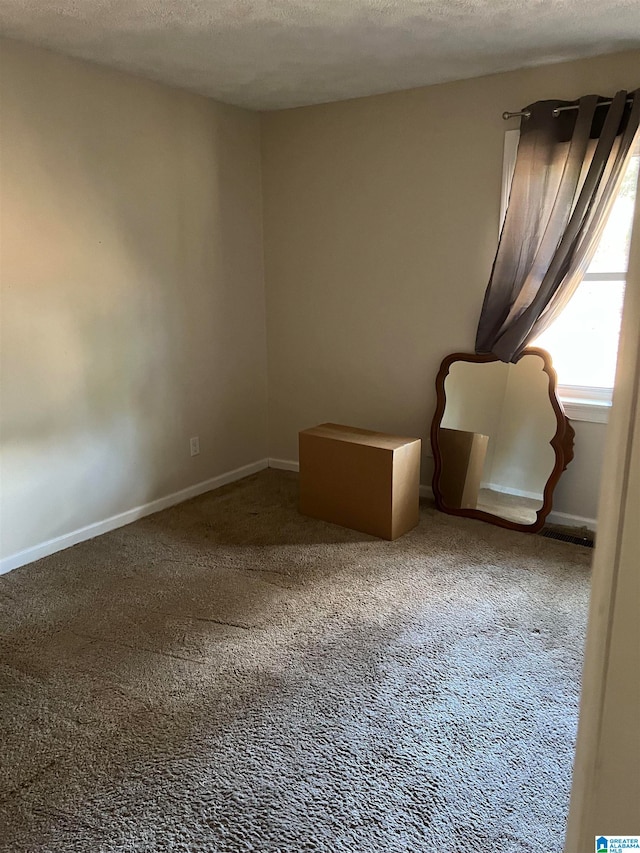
(267, 54)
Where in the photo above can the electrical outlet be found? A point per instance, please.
(194, 445)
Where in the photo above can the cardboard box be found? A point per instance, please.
(463, 454)
(361, 479)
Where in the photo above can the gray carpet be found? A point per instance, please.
(230, 676)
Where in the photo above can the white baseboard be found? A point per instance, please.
(569, 520)
(427, 492)
(51, 546)
(564, 518)
(284, 464)
(59, 543)
(505, 490)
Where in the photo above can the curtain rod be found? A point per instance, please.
(556, 112)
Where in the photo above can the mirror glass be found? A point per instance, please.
(495, 436)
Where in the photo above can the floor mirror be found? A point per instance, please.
(500, 438)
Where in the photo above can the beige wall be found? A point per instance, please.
(381, 221)
(579, 487)
(132, 282)
(132, 293)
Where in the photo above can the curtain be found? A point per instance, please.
(568, 170)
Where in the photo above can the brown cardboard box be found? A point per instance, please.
(361, 479)
(463, 455)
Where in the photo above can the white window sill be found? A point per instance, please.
(586, 410)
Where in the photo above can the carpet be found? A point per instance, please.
(228, 675)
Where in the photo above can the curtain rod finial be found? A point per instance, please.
(524, 113)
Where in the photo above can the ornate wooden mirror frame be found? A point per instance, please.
(562, 441)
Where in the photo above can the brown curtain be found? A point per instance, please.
(567, 174)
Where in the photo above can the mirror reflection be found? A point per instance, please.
(494, 438)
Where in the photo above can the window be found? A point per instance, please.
(583, 341)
